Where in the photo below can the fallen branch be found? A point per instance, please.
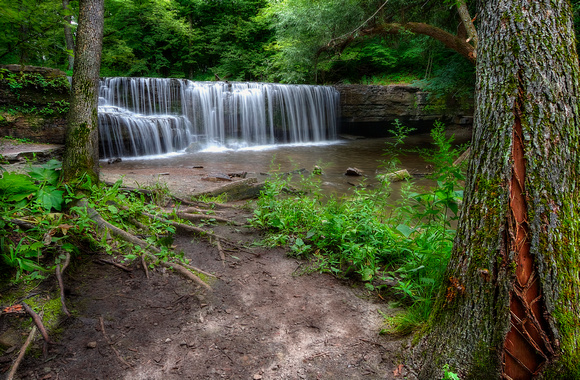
(38, 322)
(111, 344)
(18, 360)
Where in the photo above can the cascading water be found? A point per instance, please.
(151, 116)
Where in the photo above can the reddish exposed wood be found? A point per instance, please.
(527, 347)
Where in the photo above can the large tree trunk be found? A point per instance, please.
(510, 305)
(68, 34)
(82, 149)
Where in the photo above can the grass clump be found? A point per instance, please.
(368, 235)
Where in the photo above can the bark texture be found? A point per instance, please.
(82, 151)
(510, 307)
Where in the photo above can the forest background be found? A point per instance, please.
(287, 41)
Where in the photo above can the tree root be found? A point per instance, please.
(104, 225)
(38, 322)
(222, 255)
(111, 344)
(18, 360)
(198, 217)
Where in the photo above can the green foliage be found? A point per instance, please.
(448, 374)
(408, 243)
(32, 32)
(35, 235)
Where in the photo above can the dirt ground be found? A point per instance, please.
(264, 319)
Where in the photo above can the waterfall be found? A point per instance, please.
(150, 116)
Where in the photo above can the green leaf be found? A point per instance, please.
(16, 187)
(405, 230)
(50, 198)
(44, 175)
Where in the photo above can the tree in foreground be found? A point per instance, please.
(82, 150)
(510, 305)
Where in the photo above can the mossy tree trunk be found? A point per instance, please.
(510, 306)
(82, 150)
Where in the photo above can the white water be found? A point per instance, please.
(153, 116)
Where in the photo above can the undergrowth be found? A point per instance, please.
(40, 222)
(406, 242)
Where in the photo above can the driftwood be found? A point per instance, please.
(399, 175)
(237, 190)
(18, 360)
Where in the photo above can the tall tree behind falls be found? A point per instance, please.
(82, 150)
(510, 305)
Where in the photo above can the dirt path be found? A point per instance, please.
(262, 321)
(265, 319)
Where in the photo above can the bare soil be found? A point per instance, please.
(266, 318)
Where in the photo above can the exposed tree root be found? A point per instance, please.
(59, 272)
(22, 224)
(18, 360)
(112, 345)
(222, 255)
(104, 225)
(120, 266)
(198, 217)
(145, 266)
(38, 322)
(191, 210)
(184, 272)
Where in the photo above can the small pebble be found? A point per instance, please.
(91, 344)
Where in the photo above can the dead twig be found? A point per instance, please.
(23, 349)
(38, 322)
(111, 344)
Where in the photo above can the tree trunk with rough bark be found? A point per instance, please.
(510, 304)
(68, 34)
(82, 150)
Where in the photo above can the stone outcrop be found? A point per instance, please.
(371, 110)
(33, 103)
